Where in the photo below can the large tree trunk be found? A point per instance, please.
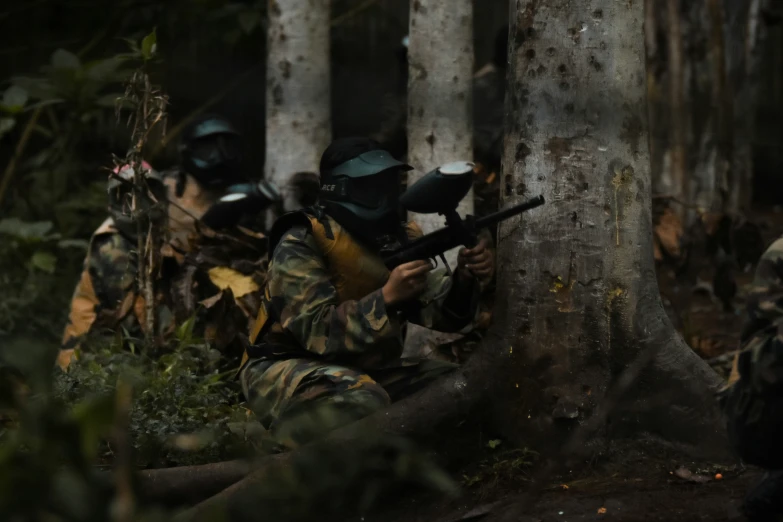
(577, 278)
(298, 122)
(440, 85)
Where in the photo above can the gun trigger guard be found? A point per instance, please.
(446, 264)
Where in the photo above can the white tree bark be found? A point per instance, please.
(440, 128)
(298, 117)
(440, 58)
(582, 306)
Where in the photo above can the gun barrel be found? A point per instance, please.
(501, 215)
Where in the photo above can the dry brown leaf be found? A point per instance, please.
(686, 474)
(669, 232)
(225, 278)
(209, 302)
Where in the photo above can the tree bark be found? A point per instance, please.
(679, 118)
(744, 67)
(298, 120)
(577, 278)
(440, 62)
(440, 87)
(186, 485)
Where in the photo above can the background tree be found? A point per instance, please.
(440, 130)
(589, 307)
(298, 123)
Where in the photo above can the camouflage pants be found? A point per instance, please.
(301, 399)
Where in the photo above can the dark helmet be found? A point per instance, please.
(360, 187)
(120, 193)
(211, 151)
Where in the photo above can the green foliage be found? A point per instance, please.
(33, 297)
(181, 400)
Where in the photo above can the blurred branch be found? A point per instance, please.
(10, 169)
(124, 502)
(352, 12)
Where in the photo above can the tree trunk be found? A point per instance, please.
(679, 118)
(298, 122)
(440, 128)
(440, 59)
(577, 278)
(748, 31)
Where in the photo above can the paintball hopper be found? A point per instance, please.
(246, 199)
(440, 190)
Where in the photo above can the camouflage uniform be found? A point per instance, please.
(329, 348)
(104, 296)
(753, 402)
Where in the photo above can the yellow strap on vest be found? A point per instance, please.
(354, 271)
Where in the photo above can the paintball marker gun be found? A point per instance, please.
(439, 192)
(239, 201)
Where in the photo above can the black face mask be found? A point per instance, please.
(215, 160)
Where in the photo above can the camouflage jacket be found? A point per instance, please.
(104, 295)
(311, 320)
(760, 363)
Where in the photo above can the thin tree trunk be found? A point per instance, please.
(722, 107)
(440, 59)
(577, 278)
(298, 120)
(679, 118)
(440, 128)
(745, 68)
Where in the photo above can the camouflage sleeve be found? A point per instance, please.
(107, 276)
(447, 305)
(761, 359)
(112, 268)
(307, 305)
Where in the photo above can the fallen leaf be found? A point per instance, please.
(669, 232)
(602, 511)
(209, 302)
(564, 486)
(224, 278)
(688, 475)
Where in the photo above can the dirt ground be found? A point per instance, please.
(644, 490)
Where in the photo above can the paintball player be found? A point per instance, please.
(753, 401)
(105, 297)
(210, 152)
(329, 330)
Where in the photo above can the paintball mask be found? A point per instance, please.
(362, 194)
(120, 194)
(211, 152)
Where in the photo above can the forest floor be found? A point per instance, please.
(642, 489)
